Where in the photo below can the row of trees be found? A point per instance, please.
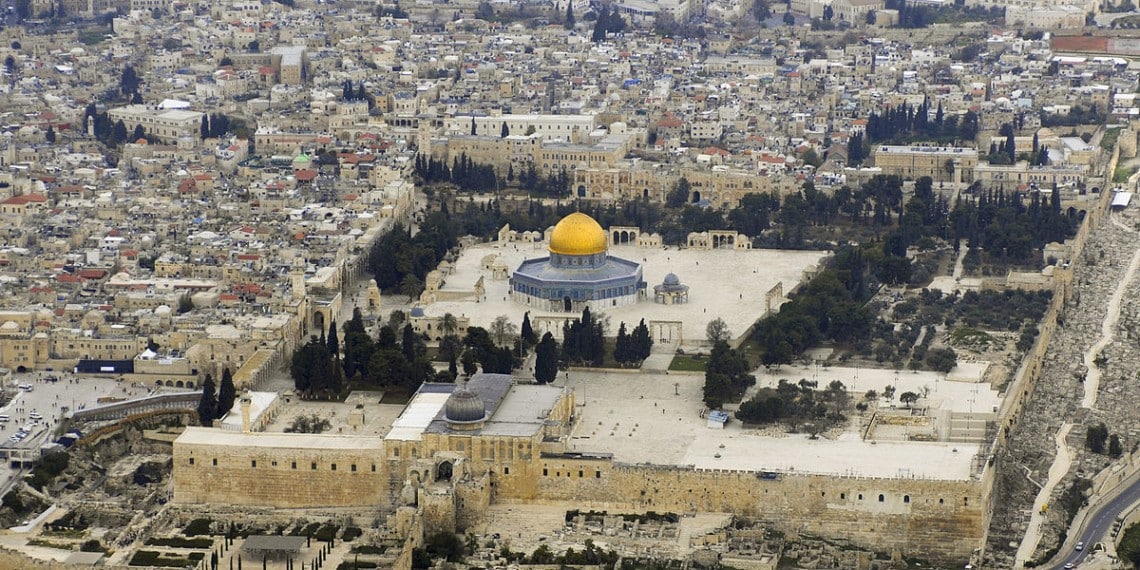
(584, 345)
(905, 123)
(470, 176)
(467, 175)
(214, 125)
(397, 357)
(216, 401)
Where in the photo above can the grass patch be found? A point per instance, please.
(1109, 139)
(368, 549)
(396, 396)
(970, 335)
(1123, 173)
(686, 363)
(51, 544)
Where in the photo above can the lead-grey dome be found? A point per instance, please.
(671, 279)
(464, 406)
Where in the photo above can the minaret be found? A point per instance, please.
(297, 278)
(244, 402)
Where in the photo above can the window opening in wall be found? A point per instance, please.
(294, 465)
(353, 468)
(545, 472)
(906, 499)
(334, 466)
(273, 463)
(597, 474)
(860, 496)
(506, 471)
(253, 463)
(941, 502)
(842, 496)
(215, 462)
(314, 466)
(579, 473)
(881, 498)
(373, 467)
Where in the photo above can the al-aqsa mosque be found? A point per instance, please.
(579, 272)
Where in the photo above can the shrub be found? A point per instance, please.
(92, 545)
(179, 542)
(198, 527)
(326, 532)
(351, 533)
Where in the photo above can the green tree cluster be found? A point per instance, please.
(726, 376)
(830, 306)
(798, 405)
(905, 123)
(546, 359)
(632, 348)
(582, 342)
(315, 370)
(464, 173)
(397, 255)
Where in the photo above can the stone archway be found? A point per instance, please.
(444, 471)
(697, 197)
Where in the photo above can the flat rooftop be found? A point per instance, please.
(224, 438)
(655, 418)
(723, 283)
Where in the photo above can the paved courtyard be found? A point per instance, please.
(656, 418)
(723, 283)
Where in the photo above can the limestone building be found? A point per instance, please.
(456, 449)
(943, 164)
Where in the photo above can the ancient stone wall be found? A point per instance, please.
(942, 520)
(277, 477)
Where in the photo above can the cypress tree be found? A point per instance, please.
(333, 340)
(226, 393)
(546, 359)
(526, 330)
(622, 352)
(208, 404)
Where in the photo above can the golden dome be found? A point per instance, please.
(578, 234)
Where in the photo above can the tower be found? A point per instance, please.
(297, 278)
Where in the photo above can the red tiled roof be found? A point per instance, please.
(26, 199)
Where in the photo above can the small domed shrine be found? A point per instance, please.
(579, 272)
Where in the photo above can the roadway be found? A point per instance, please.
(1096, 525)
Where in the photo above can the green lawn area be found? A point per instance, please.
(396, 396)
(1122, 173)
(1109, 139)
(686, 363)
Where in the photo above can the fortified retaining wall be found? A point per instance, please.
(936, 520)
